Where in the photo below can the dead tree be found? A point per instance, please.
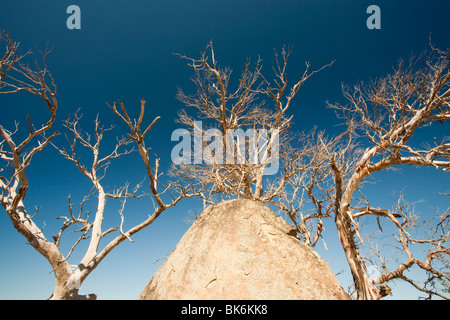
(300, 189)
(386, 115)
(17, 153)
(249, 120)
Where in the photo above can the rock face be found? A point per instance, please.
(240, 249)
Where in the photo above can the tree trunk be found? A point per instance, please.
(68, 283)
(364, 290)
(61, 292)
(64, 289)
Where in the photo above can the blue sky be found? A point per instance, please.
(124, 51)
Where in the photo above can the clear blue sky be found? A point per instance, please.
(124, 51)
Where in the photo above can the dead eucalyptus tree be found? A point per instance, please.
(17, 148)
(385, 117)
(242, 143)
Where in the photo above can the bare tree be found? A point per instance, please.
(249, 119)
(385, 116)
(16, 155)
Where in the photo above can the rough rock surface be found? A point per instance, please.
(240, 249)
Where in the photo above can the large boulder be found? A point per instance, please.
(240, 249)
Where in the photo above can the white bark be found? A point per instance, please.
(16, 76)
